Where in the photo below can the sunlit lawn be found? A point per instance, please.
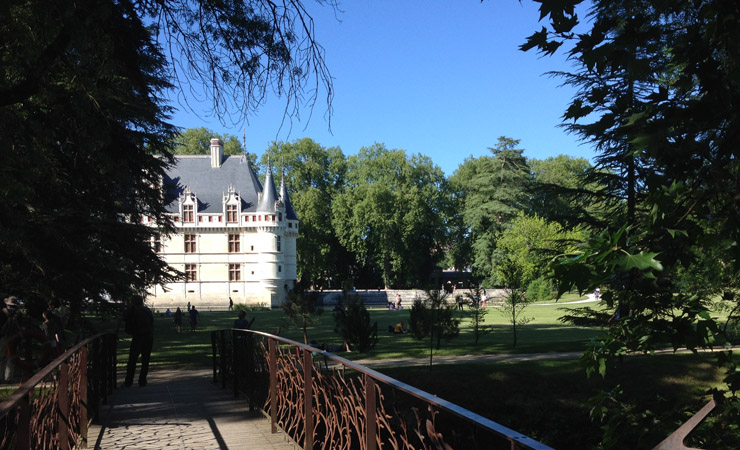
(543, 334)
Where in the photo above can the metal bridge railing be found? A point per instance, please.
(343, 404)
(53, 407)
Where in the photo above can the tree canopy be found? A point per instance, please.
(392, 214)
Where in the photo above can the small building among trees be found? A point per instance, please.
(234, 237)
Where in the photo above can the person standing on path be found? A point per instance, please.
(177, 319)
(140, 325)
(193, 318)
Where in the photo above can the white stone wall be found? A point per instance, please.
(264, 271)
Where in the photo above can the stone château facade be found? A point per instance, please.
(235, 238)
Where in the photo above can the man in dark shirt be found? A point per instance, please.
(140, 325)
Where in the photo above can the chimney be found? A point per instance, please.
(217, 153)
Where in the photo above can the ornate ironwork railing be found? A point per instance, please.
(344, 405)
(53, 407)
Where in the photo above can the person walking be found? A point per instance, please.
(177, 319)
(193, 318)
(231, 304)
(140, 325)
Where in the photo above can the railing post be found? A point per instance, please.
(222, 339)
(250, 371)
(63, 406)
(23, 427)
(308, 398)
(234, 362)
(273, 386)
(83, 396)
(214, 350)
(370, 411)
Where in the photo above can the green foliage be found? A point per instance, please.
(664, 167)
(539, 289)
(74, 167)
(197, 141)
(86, 131)
(530, 242)
(315, 176)
(489, 192)
(478, 312)
(433, 317)
(352, 322)
(392, 213)
(625, 425)
(559, 192)
(249, 308)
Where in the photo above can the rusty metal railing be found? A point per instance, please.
(321, 400)
(676, 440)
(52, 409)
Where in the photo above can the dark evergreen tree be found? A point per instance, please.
(85, 131)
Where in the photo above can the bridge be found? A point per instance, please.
(263, 391)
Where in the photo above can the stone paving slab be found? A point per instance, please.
(184, 410)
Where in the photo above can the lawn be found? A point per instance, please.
(544, 334)
(546, 400)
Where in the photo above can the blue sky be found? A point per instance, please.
(440, 78)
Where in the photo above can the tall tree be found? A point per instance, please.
(315, 176)
(560, 193)
(492, 190)
(392, 214)
(85, 131)
(658, 96)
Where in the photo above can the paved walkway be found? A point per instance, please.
(181, 409)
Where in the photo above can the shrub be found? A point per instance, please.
(538, 290)
(352, 322)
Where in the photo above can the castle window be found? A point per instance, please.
(280, 217)
(210, 218)
(231, 213)
(235, 272)
(187, 213)
(251, 247)
(280, 268)
(191, 272)
(189, 243)
(234, 243)
(290, 224)
(277, 243)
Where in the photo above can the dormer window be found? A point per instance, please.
(187, 214)
(231, 214)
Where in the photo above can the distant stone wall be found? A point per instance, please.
(380, 298)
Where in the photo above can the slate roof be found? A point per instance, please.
(210, 184)
(269, 195)
(289, 211)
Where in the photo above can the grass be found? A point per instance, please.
(548, 400)
(544, 334)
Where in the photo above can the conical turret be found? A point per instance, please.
(269, 194)
(289, 211)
